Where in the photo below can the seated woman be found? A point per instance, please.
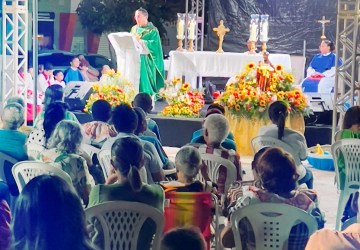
(320, 76)
(53, 93)
(278, 112)
(127, 156)
(54, 113)
(141, 129)
(351, 129)
(64, 151)
(277, 172)
(49, 215)
(99, 130)
(188, 162)
(144, 101)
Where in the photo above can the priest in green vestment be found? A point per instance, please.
(151, 64)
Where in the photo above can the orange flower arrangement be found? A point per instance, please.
(182, 101)
(259, 85)
(113, 88)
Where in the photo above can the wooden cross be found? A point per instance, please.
(323, 21)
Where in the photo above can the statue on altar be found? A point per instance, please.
(221, 30)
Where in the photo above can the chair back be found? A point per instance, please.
(261, 141)
(214, 162)
(6, 164)
(24, 171)
(189, 208)
(346, 154)
(104, 157)
(6, 161)
(122, 221)
(271, 224)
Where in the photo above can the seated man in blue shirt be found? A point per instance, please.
(197, 136)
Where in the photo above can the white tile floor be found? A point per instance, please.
(323, 184)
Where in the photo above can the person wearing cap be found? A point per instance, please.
(197, 136)
(188, 162)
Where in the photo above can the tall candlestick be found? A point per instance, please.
(192, 27)
(264, 28)
(180, 29)
(253, 32)
(180, 26)
(254, 22)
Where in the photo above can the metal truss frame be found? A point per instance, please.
(347, 43)
(197, 7)
(15, 48)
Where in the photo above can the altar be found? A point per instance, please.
(212, 64)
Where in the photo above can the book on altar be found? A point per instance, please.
(128, 41)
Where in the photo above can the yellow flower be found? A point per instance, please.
(185, 87)
(280, 95)
(262, 103)
(250, 66)
(290, 78)
(279, 67)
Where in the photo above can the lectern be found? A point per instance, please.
(128, 51)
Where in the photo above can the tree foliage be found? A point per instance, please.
(118, 15)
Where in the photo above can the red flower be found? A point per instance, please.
(216, 94)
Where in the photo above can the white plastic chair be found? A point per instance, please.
(349, 149)
(24, 171)
(266, 141)
(271, 223)
(4, 158)
(214, 162)
(121, 222)
(104, 157)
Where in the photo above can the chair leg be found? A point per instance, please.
(344, 196)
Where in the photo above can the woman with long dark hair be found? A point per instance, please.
(278, 112)
(127, 157)
(277, 172)
(53, 93)
(49, 215)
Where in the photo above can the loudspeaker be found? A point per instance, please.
(322, 105)
(77, 93)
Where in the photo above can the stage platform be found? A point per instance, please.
(176, 132)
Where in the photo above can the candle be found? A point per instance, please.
(253, 32)
(191, 30)
(180, 29)
(264, 32)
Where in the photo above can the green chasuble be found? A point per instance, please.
(152, 64)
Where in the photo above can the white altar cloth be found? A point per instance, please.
(212, 64)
